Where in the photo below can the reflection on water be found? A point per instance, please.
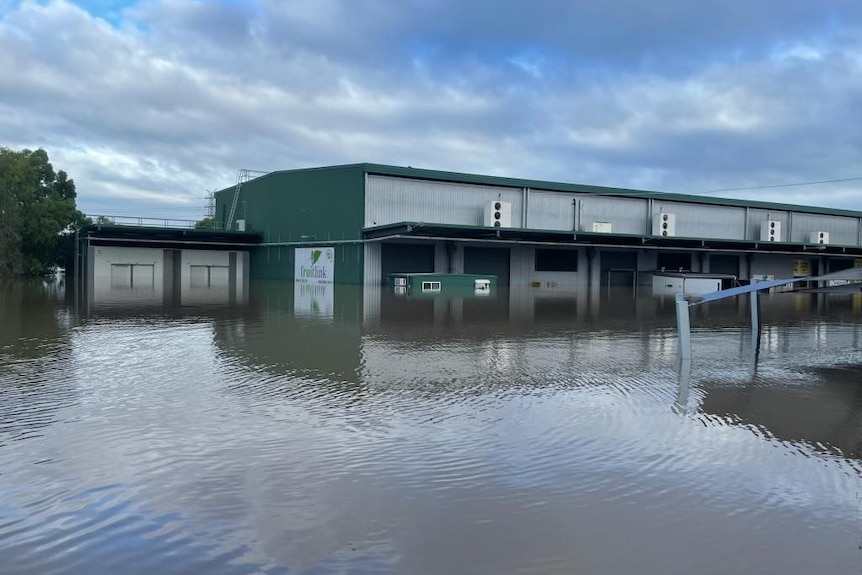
(349, 430)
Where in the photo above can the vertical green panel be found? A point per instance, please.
(317, 205)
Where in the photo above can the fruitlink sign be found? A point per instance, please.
(314, 265)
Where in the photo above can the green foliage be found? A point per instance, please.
(204, 224)
(37, 213)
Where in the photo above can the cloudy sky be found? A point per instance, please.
(149, 104)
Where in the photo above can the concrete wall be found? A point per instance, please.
(155, 276)
(121, 275)
(780, 266)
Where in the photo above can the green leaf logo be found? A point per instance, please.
(315, 255)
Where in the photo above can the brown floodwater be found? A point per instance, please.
(366, 433)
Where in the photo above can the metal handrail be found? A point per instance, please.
(141, 222)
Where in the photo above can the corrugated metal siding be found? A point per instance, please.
(627, 215)
(395, 171)
(842, 230)
(521, 266)
(550, 211)
(373, 264)
(702, 221)
(779, 266)
(441, 258)
(390, 200)
(756, 219)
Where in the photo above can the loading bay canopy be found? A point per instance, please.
(433, 231)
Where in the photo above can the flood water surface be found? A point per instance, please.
(373, 434)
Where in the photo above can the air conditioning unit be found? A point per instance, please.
(819, 237)
(240, 225)
(664, 224)
(603, 228)
(770, 231)
(498, 214)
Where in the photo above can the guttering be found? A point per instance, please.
(167, 241)
(591, 245)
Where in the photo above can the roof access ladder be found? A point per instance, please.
(242, 177)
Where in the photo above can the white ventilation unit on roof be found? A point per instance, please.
(664, 224)
(770, 231)
(498, 214)
(820, 238)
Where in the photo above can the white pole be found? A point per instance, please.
(683, 326)
(681, 405)
(754, 305)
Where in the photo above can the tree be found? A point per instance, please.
(204, 224)
(37, 208)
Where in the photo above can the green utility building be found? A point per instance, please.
(363, 222)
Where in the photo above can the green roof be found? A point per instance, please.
(462, 178)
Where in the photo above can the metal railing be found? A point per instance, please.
(139, 222)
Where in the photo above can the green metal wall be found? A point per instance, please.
(317, 205)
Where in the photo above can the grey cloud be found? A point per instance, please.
(629, 33)
(174, 99)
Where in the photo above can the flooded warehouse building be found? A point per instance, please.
(368, 221)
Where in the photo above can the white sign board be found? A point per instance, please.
(314, 265)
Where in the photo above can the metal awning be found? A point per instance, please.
(434, 231)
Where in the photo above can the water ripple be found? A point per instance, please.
(242, 442)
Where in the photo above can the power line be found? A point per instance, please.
(782, 185)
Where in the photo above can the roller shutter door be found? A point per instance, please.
(493, 261)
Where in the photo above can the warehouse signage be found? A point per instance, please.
(315, 265)
(801, 268)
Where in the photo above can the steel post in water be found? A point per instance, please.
(754, 307)
(683, 326)
(681, 404)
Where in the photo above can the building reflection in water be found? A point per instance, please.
(796, 386)
(363, 338)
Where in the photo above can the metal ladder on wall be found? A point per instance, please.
(242, 177)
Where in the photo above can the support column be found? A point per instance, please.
(458, 259)
(441, 258)
(583, 272)
(244, 258)
(90, 280)
(683, 327)
(596, 273)
(178, 278)
(682, 393)
(372, 264)
(231, 278)
(754, 305)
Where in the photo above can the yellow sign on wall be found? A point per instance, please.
(857, 263)
(801, 268)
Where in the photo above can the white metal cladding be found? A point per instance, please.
(520, 266)
(843, 230)
(626, 215)
(390, 200)
(373, 263)
(550, 210)
(757, 217)
(705, 221)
